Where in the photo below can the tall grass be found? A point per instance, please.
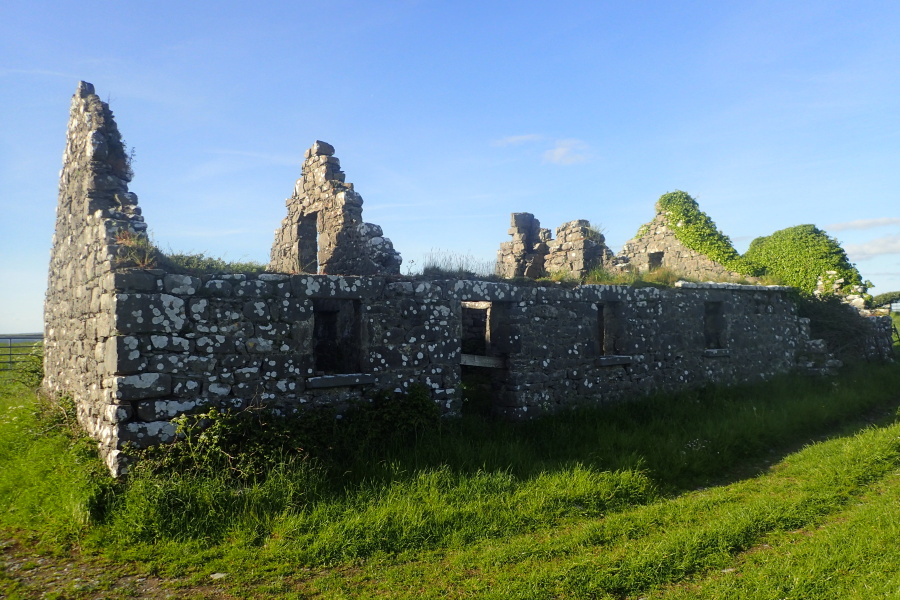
(51, 483)
(446, 263)
(626, 500)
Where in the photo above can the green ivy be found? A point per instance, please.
(799, 255)
(693, 228)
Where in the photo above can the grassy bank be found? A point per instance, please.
(668, 496)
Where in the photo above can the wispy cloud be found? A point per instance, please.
(864, 224)
(209, 233)
(275, 159)
(45, 72)
(567, 152)
(889, 244)
(517, 140)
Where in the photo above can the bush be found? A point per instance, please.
(194, 263)
(886, 298)
(246, 444)
(799, 255)
(29, 370)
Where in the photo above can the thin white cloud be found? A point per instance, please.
(208, 233)
(46, 72)
(566, 152)
(864, 224)
(517, 140)
(275, 159)
(889, 244)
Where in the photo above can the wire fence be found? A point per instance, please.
(14, 347)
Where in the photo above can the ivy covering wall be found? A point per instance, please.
(697, 231)
(796, 256)
(799, 255)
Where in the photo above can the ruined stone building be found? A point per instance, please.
(136, 345)
(580, 248)
(324, 231)
(577, 249)
(657, 246)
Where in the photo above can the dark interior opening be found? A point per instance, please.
(485, 333)
(714, 325)
(475, 328)
(478, 389)
(337, 343)
(655, 260)
(308, 243)
(610, 337)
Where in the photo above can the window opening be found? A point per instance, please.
(485, 345)
(308, 243)
(475, 328)
(714, 325)
(337, 342)
(655, 260)
(609, 329)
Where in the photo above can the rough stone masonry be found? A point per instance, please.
(136, 347)
(324, 231)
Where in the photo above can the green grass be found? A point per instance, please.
(757, 491)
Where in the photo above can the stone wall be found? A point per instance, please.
(324, 231)
(185, 343)
(524, 255)
(136, 347)
(97, 223)
(656, 246)
(577, 249)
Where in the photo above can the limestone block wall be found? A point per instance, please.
(599, 344)
(96, 215)
(533, 253)
(657, 247)
(324, 231)
(577, 249)
(524, 255)
(186, 343)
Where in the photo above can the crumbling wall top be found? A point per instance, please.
(324, 231)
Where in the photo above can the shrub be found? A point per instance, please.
(29, 370)
(246, 444)
(886, 298)
(193, 263)
(799, 255)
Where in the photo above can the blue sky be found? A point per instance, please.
(448, 116)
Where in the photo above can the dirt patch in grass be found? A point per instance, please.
(27, 572)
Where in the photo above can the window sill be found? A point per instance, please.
(614, 359)
(716, 352)
(340, 380)
(477, 360)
